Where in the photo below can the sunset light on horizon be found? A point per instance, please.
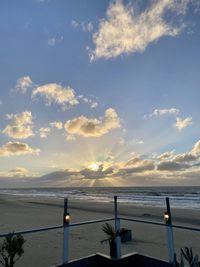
(99, 93)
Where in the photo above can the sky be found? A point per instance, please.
(99, 93)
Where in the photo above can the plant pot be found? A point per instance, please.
(113, 249)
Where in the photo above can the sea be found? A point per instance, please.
(180, 197)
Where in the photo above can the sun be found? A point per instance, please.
(94, 166)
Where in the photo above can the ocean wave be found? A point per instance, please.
(182, 197)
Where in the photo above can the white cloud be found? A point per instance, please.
(24, 83)
(17, 172)
(179, 124)
(85, 26)
(93, 127)
(137, 142)
(56, 124)
(44, 132)
(85, 99)
(196, 148)
(21, 125)
(90, 101)
(75, 24)
(94, 105)
(55, 93)
(53, 41)
(182, 123)
(166, 155)
(161, 112)
(124, 31)
(17, 149)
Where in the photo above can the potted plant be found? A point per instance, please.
(188, 256)
(11, 249)
(111, 237)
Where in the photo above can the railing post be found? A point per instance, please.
(66, 218)
(169, 232)
(117, 230)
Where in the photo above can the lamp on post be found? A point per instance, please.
(169, 232)
(166, 217)
(66, 220)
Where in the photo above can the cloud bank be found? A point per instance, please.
(138, 170)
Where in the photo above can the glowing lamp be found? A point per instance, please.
(66, 218)
(166, 217)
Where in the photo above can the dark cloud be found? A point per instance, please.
(57, 176)
(16, 149)
(172, 166)
(137, 165)
(185, 157)
(99, 174)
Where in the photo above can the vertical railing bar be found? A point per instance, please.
(169, 232)
(117, 229)
(66, 218)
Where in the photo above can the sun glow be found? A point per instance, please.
(94, 166)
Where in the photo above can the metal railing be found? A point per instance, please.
(67, 225)
(161, 224)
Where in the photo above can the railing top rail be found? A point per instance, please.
(97, 221)
(161, 224)
(32, 231)
(55, 227)
(186, 228)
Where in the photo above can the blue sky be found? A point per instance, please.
(99, 93)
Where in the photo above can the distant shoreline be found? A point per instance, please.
(180, 197)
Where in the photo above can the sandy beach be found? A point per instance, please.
(45, 249)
